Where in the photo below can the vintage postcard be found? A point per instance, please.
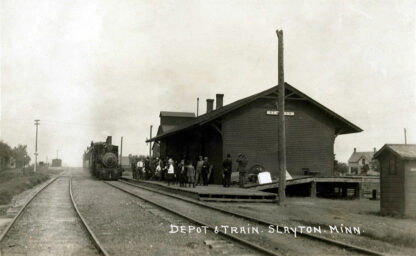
(192, 127)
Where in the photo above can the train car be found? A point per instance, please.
(56, 162)
(102, 160)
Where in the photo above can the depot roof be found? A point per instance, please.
(348, 127)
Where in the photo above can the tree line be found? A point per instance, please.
(18, 153)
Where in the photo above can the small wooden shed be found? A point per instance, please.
(397, 179)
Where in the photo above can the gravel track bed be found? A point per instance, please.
(49, 226)
(282, 243)
(129, 226)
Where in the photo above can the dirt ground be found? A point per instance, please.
(386, 234)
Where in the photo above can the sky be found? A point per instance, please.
(88, 69)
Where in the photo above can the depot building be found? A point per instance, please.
(250, 126)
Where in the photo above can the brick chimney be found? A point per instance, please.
(219, 101)
(210, 105)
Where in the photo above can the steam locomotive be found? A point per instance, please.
(102, 160)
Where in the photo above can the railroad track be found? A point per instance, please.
(262, 250)
(325, 240)
(19, 216)
(92, 235)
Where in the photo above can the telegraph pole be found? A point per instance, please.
(150, 143)
(36, 144)
(121, 150)
(405, 137)
(281, 122)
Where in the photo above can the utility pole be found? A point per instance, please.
(150, 143)
(36, 144)
(281, 122)
(121, 150)
(405, 137)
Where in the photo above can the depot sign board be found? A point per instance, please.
(276, 113)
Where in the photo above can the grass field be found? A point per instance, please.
(15, 181)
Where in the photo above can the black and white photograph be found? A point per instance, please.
(207, 127)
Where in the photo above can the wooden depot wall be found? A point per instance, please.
(310, 137)
(252, 130)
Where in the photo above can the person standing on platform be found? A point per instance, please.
(182, 173)
(198, 171)
(171, 171)
(163, 172)
(227, 165)
(242, 171)
(205, 171)
(190, 174)
(147, 168)
(158, 172)
(139, 169)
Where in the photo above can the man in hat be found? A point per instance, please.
(198, 170)
(227, 166)
(206, 169)
(139, 169)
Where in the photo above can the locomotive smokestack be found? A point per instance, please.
(109, 140)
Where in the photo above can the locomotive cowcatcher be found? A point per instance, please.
(102, 160)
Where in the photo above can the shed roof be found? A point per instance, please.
(348, 127)
(176, 114)
(404, 151)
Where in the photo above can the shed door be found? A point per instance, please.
(410, 188)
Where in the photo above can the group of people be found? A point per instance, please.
(186, 172)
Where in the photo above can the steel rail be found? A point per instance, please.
(4, 233)
(256, 247)
(94, 238)
(260, 221)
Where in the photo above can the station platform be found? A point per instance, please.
(345, 186)
(210, 193)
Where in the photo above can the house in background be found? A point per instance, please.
(12, 163)
(362, 163)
